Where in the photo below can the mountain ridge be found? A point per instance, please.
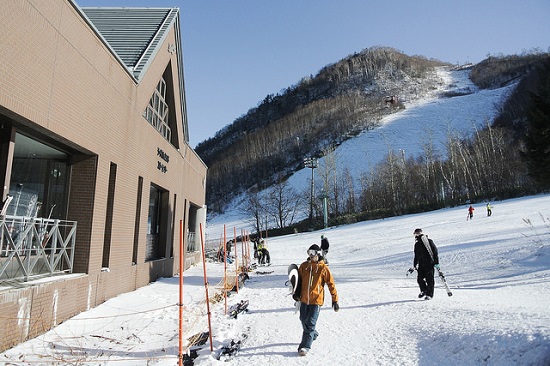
(343, 100)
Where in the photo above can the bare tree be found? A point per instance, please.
(282, 203)
(255, 207)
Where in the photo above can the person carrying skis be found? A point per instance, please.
(425, 259)
(314, 275)
(324, 248)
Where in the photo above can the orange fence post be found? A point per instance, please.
(243, 254)
(225, 268)
(206, 288)
(180, 304)
(236, 259)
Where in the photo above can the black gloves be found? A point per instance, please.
(335, 306)
(296, 297)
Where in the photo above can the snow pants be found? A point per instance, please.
(425, 280)
(324, 254)
(308, 316)
(266, 259)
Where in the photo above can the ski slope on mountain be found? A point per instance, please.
(426, 121)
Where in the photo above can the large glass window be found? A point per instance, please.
(157, 110)
(156, 224)
(38, 182)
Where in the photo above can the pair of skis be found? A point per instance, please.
(441, 275)
(444, 280)
(425, 240)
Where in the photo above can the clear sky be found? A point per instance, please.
(237, 52)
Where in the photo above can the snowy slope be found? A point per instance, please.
(428, 120)
(498, 268)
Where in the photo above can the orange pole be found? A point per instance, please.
(206, 288)
(225, 268)
(248, 248)
(180, 304)
(236, 259)
(243, 256)
(220, 246)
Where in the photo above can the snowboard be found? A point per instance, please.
(294, 283)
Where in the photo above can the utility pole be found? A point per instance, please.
(324, 197)
(311, 163)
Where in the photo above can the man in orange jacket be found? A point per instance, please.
(314, 274)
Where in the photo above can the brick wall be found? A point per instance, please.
(61, 84)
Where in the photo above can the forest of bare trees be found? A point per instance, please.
(482, 168)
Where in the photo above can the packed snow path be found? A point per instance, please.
(498, 268)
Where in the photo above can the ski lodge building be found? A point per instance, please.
(96, 169)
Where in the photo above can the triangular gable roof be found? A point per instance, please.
(135, 35)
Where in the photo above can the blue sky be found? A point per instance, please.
(237, 52)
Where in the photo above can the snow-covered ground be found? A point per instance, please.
(498, 268)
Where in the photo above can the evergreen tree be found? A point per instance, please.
(537, 139)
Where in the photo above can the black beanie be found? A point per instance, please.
(314, 247)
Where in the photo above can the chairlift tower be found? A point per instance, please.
(311, 163)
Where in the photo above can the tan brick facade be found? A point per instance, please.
(60, 84)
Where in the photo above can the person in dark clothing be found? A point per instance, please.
(256, 241)
(324, 248)
(263, 252)
(425, 259)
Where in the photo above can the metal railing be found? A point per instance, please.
(35, 247)
(192, 244)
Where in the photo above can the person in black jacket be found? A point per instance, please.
(425, 259)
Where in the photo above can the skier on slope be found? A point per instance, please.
(314, 274)
(471, 212)
(425, 259)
